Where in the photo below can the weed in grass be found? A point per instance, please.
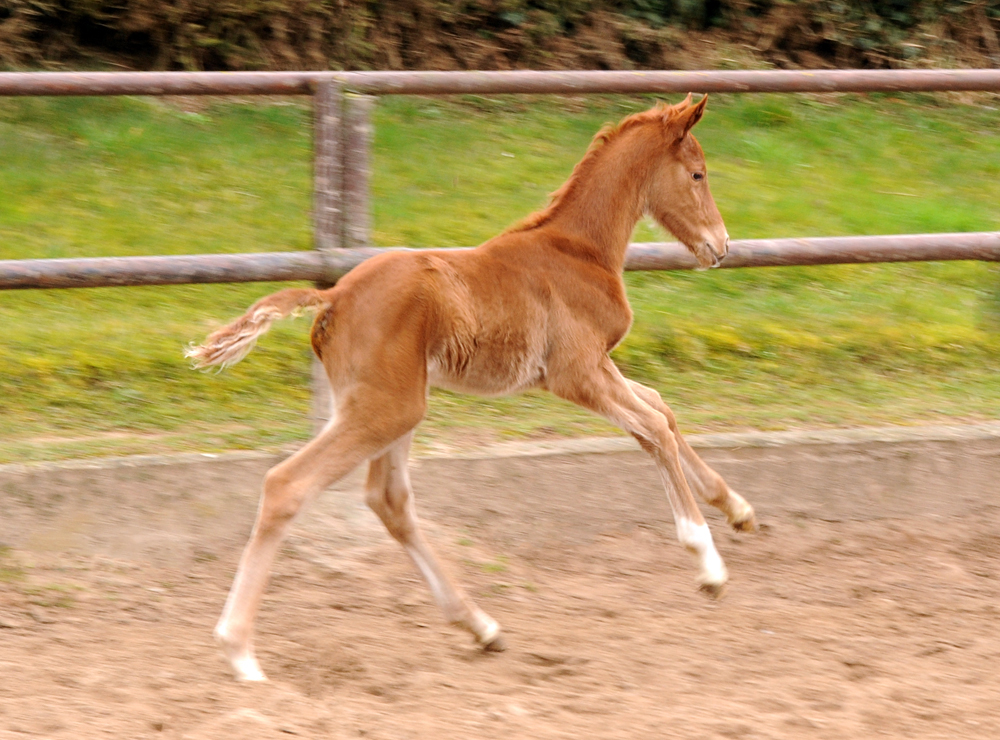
(10, 570)
(498, 565)
(52, 595)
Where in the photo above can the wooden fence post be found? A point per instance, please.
(358, 132)
(328, 221)
(342, 132)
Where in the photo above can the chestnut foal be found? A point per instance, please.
(539, 306)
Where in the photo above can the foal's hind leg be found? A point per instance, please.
(603, 389)
(706, 482)
(360, 434)
(389, 495)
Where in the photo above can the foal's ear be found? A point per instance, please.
(689, 115)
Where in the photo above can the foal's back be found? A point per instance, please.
(487, 320)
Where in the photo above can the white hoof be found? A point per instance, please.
(241, 658)
(697, 539)
(488, 630)
(484, 628)
(247, 668)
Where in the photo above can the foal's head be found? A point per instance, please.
(679, 197)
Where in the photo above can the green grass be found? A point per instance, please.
(11, 571)
(92, 372)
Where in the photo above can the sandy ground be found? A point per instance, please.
(828, 630)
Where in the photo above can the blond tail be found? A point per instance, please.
(233, 342)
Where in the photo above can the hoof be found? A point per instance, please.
(496, 645)
(747, 524)
(240, 658)
(254, 677)
(713, 590)
(246, 669)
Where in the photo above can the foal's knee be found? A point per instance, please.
(669, 415)
(657, 403)
(651, 397)
(391, 504)
(375, 499)
(282, 500)
(658, 440)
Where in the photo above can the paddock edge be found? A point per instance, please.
(172, 508)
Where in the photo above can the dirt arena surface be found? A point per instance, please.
(828, 630)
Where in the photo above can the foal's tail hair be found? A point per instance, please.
(233, 342)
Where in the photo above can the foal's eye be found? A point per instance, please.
(698, 175)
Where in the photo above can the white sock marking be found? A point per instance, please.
(480, 624)
(698, 539)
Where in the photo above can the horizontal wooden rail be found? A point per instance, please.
(444, 83)
(330, 265)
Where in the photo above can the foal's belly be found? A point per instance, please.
(486, 373)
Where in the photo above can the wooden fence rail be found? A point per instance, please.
(492, 83)
(329, 265)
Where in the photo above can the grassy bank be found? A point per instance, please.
(99, 371)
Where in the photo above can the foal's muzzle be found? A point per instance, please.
(709, 250)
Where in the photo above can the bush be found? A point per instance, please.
(492, 34)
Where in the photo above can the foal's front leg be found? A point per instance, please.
(604, 391)
(708, 484)
(389, 495)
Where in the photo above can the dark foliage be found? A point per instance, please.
(493, 34)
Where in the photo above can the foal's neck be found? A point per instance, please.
(600, 210)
